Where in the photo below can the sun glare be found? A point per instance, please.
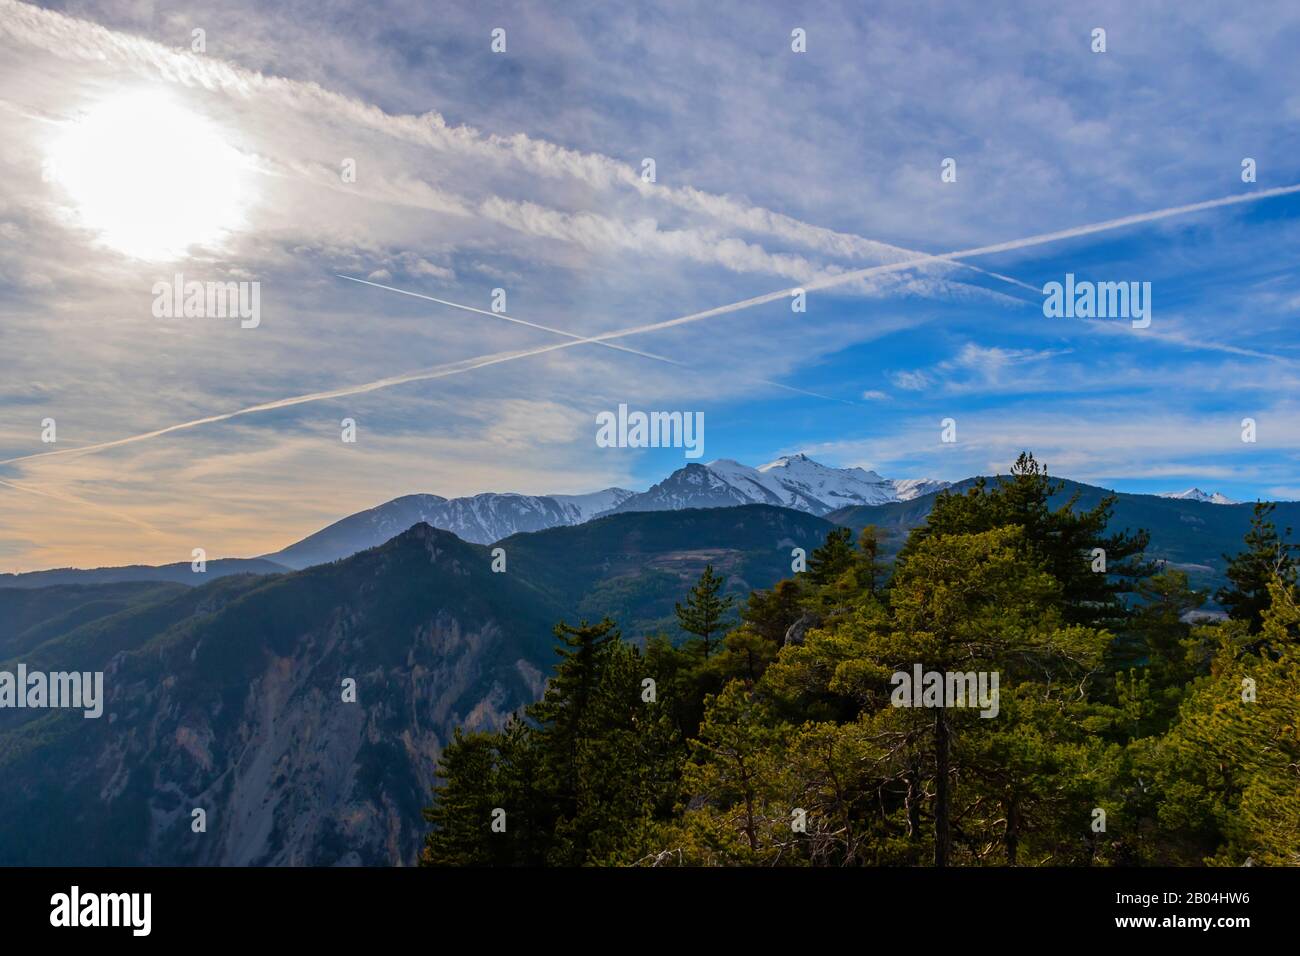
(151, 177)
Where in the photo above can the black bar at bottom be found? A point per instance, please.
(336, 905)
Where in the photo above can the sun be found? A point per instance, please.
(150, 177)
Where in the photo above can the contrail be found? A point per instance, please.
(1014, 244)
(578, 338)
(439, 371)
(1185, 341)
(64, 496)
(504, 317)
(456, 368)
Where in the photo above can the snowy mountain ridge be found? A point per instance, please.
(793, 481)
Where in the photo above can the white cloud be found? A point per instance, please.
(911, 381)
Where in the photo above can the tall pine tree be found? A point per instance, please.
(1268, 556)
(705, 611)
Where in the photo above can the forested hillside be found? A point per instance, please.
(1116, 733)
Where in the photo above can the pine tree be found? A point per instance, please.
(561, 713)
(839, 796)
(626, 766)
(594, 764)
(829, 562)
(977, 602)
(1159, 624)
(1224, 778)
(737, 771)
(461, 813)
(1268, 555)
(872, 570)
(1062, 539)
(705, 610)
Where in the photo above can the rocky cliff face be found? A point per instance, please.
(243, 713)
(300, 777)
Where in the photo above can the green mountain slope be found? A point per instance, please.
(636, 566)
(1191, 535)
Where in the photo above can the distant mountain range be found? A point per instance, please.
(853, 496)
(480, 519)
(179, 573)
(794, 481)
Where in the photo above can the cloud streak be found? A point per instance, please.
(71, 38)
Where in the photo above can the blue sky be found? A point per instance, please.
(521, 170)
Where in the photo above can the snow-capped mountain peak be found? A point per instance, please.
(792, 481)
(1196, 494)
(832, 487)
(802, 465)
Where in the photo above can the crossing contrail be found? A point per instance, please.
(570, 335)
(1010, 246)
(466, 365)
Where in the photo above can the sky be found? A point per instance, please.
(288, 144)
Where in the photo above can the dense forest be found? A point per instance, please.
(1128, 729)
